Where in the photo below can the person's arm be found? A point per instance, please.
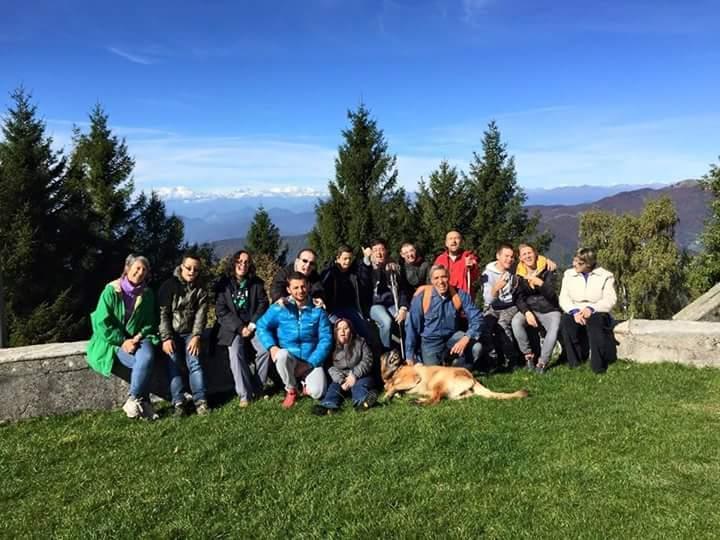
(267, 326)
(278, 287)
(261, 302)
(336, 375)
(609, 297)
(148, 323)
(225, 311)
(165, 296)
(325, 339)
(548, 287)
(413, 326)
(474, 316)
(105, 323)
(487, 285)
(200, 320)
(566, 302)
(523, 291)
(364, 366)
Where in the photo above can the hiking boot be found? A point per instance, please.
(320, 410)
(368, 402)
(147, 409)
(179, 409)
(201, 407)
(290, 398)
(132, 407)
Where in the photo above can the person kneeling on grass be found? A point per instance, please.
(299, 338)
(183, 314)
(124, 326)
(350, 372)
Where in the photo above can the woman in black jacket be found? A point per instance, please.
(538, 307)
(240, 301)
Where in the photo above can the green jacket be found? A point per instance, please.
(109, 332)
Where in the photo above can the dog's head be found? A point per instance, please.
(390, 362)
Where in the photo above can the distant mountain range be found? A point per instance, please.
(224, 220)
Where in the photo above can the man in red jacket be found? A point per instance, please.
(463, 266)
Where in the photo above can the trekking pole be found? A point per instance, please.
(396, 300)
(467, 279)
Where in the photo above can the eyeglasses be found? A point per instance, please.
(308, 262)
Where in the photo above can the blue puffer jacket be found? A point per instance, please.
(305, 333)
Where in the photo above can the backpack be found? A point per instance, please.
(426, 291)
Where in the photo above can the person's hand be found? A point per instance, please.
(531, 320)
(500, 283)
(246, 332)
(587, 312)
(318, 302)
(535, 281)
(273, 352)
(168, 347)
(459, 347)
(551, 265)
(470, 261)
(194, 346)
(281, 301)
(129, 346)
(349, 382)
(579, 318)
(401, 315)
(367, 252)
(392, 267)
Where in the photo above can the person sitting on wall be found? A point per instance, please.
(345, 293)
(538, 307)
(183, 315)
(240, 301)
(350, 372)
(299, 337)
(306, 264)
(587, 295)
(124, 329)
(434, 326)
(388, 302)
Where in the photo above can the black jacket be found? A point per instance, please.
(539, 300)
(230, 321)
(336, 285)
(278, 289)
(379, 291)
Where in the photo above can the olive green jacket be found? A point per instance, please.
(109, 330)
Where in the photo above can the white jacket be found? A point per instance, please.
(597, 292)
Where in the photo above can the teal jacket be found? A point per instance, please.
(108, 328)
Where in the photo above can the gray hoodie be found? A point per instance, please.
(506, 296)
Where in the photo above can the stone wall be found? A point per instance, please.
(54, 379)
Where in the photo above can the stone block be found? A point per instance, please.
(705, 308)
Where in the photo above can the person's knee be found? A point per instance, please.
(315, 383)
(282, 357)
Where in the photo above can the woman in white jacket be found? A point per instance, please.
(587, 296)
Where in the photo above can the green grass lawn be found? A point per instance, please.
(634, 453)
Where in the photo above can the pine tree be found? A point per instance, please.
(704, 269)
(157, 236)
(31, 183)
(364, 200)
(499, 214)
(263, 238)
(442, 205)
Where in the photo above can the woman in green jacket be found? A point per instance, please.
(124, 328)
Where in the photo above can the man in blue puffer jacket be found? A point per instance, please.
(298, 336)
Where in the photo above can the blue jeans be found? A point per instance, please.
(335, 394)
(435, 350)
(384, 317)
(195, 372)
(140, 364)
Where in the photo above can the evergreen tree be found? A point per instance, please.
(704, 269)
(364, 200)
(442, 204)
(263, 238)
(31, 185)
(499, 215)
(157, 236)
(641, 253)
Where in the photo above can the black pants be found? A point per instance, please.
(596, 337)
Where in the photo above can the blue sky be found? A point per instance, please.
(219, 96)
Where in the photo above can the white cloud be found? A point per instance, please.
(135, 58)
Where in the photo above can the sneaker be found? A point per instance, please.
(540, 368)
(179, 409)
(530, 362)
(320, 410)
(147, 409)
(244, 403)
(368, 402)
(290, 398)
(201, 407)
(132, 408)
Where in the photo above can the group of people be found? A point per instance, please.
(320, 333)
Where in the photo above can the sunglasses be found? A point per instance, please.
(308, 262)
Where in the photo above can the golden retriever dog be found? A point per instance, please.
(432, 383)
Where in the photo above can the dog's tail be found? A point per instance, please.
(479, 390)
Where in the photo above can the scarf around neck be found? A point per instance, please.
(130, 294)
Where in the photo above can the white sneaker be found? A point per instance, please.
(132, 408)
(147, 410)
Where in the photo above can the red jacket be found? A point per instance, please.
(458, 272)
